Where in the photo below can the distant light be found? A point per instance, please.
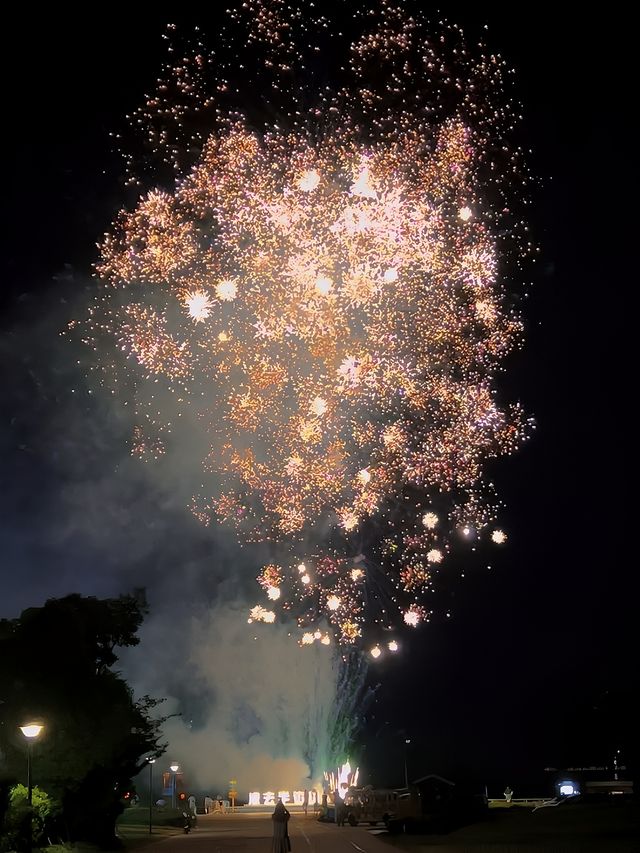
(305, 579)
(376, 651)
(391, 274)
(499, 537)
(302, 568)
(273, 592)
(568, 789)
(393, 646)
(364, 476)
(174, 768)
(465, 213)
(333, 602)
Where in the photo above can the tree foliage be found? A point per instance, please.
(56, 666)
(16, 825)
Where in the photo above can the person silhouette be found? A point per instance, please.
(280, 817)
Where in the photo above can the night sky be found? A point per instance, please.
(537, 664)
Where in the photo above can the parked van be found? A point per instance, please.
(372, 806)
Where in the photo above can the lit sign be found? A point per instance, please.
(268, 798)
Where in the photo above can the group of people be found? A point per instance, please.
(214, 806)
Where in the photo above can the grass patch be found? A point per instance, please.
(133, 826)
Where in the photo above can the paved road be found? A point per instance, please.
(252, 833)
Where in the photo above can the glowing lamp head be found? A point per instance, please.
(391, 275)
(227, 290)
(309, 181)
(174, 768)
(465, 214)
(305, 579)
(333, 602)
(324, 285)
(31, 730)
(302, 568)
(375, 652)
(392, 646)
(499, 537)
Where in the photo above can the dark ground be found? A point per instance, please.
(571, 828)
(575, 828)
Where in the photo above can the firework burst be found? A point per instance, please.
(321, 297)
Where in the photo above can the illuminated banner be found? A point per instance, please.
(269, 798)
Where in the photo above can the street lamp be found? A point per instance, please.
(151, 763)
(174, 769)
(407, 741)
(31, 731)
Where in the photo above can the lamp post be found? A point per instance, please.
(407, 741)
(30, 731)
(151, 763)
(174, 769)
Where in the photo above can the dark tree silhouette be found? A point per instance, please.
(56, 667)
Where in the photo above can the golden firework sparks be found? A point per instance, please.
(326, 308)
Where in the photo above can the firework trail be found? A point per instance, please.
(317, 307)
